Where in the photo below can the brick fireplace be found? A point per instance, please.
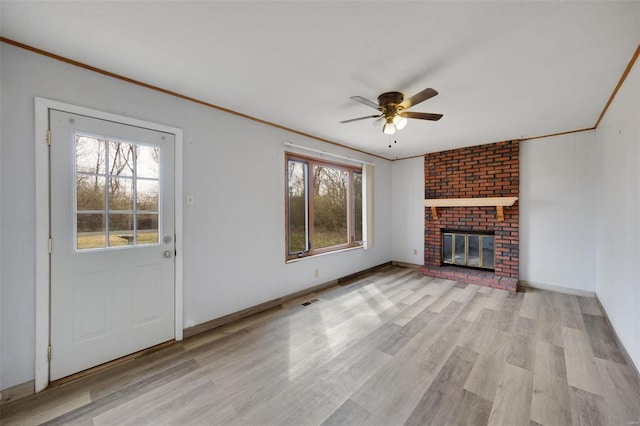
(487, 172)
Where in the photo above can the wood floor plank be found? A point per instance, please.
(602, 339)
(349, 413)
(39, 409)
(392, 393)
(522, 352)
(512, 403)
(550, 404)
(475, 306)
(440, 401)
(580, 362)
(570, 314)
(621, 392)
(549, 361)
(414, 310)
(586, 408)
(420, 292)
(384, 348)
(485, 376)
(496, 299)
(589, 305)
(113, 400)
(530, 304)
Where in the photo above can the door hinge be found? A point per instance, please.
(49, 353)
(49, 137)
(50, 245)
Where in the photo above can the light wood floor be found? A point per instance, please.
(389, 348)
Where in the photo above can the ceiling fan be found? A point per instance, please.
(393, 108)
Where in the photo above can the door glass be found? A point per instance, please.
(121, 158)
(147, 161)
(121, 231)
(120, 193)
(147, 226)
(91, 231)
(117, 193)
(147, 194)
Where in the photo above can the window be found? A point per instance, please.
(324, 206)
(117, 193)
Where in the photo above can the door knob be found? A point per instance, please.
(168, 254)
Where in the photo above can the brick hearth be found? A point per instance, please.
(480, 171)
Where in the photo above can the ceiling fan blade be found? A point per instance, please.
(422, 115)
(419, 97)
(361, 118)
(366, 102)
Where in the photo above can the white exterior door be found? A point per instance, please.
(112, 234)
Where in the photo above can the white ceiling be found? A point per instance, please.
(504, 70)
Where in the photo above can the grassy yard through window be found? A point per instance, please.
(91, 241)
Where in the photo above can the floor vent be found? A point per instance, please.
(309, 302)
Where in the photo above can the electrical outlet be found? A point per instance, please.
(415, 252)
(316, 273)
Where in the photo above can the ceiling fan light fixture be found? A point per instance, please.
(399, 121)
(379, 123)
(389, 128)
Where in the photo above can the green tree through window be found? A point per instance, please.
(324, 206)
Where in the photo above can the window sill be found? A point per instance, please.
(324, 254)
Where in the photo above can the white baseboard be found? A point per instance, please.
(558, 289)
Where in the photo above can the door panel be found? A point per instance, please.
(112, 205)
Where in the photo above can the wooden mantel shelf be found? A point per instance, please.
(498, 202)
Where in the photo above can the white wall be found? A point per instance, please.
(556, 211)
(617, 211)
(234, 235)
(407, 212)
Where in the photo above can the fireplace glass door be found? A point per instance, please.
(464, 249)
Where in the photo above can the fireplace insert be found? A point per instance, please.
(468, 249)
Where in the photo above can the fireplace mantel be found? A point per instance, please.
(498, 202)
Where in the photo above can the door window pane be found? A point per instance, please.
(120, 193)
(90, 192)
(90, 155)
(147, 194)
(147, 161)
(91, 231)
(147, 228)
(330, 220)
(121, 158)
(121, 231)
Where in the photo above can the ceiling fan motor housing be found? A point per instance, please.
(390, 102)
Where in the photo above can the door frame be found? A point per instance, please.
(42, 220)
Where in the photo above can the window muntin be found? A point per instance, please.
(117, 193)
(324, 206)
